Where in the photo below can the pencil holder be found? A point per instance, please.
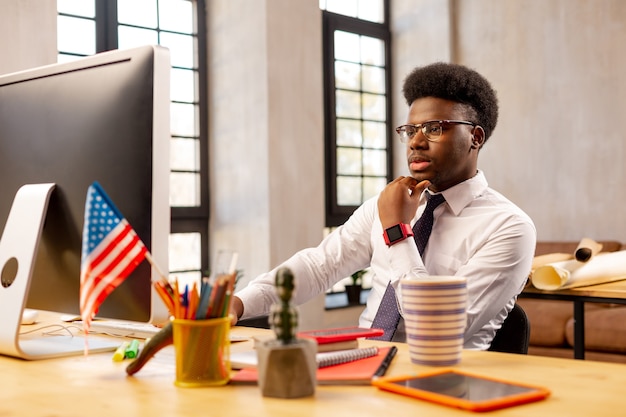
(202, 352)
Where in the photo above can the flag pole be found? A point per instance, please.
(156, 267)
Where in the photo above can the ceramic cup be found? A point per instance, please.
(435, 317)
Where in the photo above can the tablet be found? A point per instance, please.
(340, 334)
(462, 389)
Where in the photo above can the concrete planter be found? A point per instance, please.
(287, 370)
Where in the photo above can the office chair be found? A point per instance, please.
(260, 322)
(514, 335)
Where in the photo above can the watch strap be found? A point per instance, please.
(397, 233)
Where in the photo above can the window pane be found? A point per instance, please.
(137, 25)
(344, 7)
(374, 135)
(373, 79)
(374, 162)
(372, 51)
(355, 60)
(183, 119)
(187, 278)
(349, 161)
(85, 8)
(347, 75)
(183, 85)
(67, 41)
(371, 10)
(349, 191)
(374, 107)
(373, 186)
(181, 49)
(130, 37)
(185, 254)
(347, 46)
(185, 154)
(349, 133)
(184, 249)
(348, 104)
(184, 189)
(176, 15)
(137, 12)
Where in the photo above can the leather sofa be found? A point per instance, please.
(552, 322)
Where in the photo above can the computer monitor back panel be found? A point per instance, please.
(103, 118)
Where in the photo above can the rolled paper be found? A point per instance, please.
(605, 267)
(587, 248)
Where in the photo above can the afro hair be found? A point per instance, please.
(456, 83)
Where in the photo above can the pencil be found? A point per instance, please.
(205, 294)
(217, 302)
(193, 302)
(177, 308)
(165, 297)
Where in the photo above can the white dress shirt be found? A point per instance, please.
(477, 233)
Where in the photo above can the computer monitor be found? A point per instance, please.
(102, 118)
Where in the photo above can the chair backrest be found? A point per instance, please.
(260, 322)
(514, 335)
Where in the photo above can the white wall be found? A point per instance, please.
(266, 132)
(559, 146)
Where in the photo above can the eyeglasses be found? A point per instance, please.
(432, 130)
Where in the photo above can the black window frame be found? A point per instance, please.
(335, 213)
(183, 219)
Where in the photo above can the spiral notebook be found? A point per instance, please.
(248, 358)
(351, 372)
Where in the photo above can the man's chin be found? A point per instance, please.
(420, 176)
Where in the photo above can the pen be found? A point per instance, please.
(386, 362)
(120, 352)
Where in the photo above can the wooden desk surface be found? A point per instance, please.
(616, 290)
(94, 385)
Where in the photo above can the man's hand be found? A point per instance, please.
(398, 202)
(236, 310)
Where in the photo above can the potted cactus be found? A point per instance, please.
(354, 291)
(287, 365)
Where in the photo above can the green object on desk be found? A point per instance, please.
(132, 349)
(163, 338)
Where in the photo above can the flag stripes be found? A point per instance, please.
(111, 251)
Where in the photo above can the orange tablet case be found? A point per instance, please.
(454, 399)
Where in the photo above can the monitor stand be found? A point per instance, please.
(18, 251)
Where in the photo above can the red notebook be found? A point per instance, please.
(359, 372)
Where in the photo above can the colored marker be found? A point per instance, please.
(132, 349)
(120, 352)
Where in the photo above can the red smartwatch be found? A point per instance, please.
(397, 233)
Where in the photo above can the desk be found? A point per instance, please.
(94, 385)
(612, 292)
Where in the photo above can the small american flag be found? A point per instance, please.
(111, 251)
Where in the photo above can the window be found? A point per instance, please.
(356, 42)
(357, 104)
(86, 27)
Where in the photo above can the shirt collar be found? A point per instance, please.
(462, 194)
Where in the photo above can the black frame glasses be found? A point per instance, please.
(432, 129)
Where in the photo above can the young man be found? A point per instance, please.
(477, 233)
